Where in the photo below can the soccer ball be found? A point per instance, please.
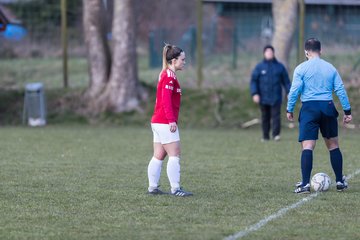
(320, 182)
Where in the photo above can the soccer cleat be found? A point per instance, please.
(341, 186)
(181, 193)
(298, 184)
(277, 138)
(156, 191)
(302, 189)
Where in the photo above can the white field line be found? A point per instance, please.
(280, 213)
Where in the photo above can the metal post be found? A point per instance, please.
(64, 42)
(234, 50)
(152, 52)
(199, 47)
(300, 53)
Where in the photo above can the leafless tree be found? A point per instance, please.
(114, 84)
(285, 17)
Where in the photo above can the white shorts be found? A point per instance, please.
(162, 134)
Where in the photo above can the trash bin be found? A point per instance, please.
(34, 111)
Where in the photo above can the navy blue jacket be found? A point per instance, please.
(267, 80)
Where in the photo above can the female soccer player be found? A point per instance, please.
(164, 124)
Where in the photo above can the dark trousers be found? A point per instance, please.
(270, 116)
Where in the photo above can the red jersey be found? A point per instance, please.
(168, 97)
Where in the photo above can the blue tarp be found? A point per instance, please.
(14, 32)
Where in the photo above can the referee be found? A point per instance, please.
(315, 81)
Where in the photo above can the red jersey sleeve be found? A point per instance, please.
(167, 92)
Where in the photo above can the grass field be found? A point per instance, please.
(82, 182)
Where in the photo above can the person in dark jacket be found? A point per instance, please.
(267, 80)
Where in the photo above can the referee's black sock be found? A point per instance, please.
(337, 163)
(306, 165)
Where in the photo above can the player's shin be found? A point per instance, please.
(306, 165)
(154, 172)
(336, 160)
(173, 172)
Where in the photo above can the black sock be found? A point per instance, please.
(306, 165)
(337, 163)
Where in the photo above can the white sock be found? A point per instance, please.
(154, 171)
(173, 172)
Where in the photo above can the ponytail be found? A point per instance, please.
(170, 52)
(165, 50)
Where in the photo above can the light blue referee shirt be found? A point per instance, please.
(316, 80)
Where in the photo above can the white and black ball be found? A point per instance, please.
(320, 182)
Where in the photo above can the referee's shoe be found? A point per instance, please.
(300, 189)
(341, 186)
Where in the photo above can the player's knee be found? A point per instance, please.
(176, 152)
(332, 146)
(160, 155)
(332, 143)
(173, 149)
(308, 145)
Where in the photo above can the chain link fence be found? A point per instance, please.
(234, 34)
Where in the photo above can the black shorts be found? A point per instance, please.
(315, 115)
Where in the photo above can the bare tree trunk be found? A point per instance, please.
(122, 91)
(114, 84)
(285, 15)
(97, 49)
